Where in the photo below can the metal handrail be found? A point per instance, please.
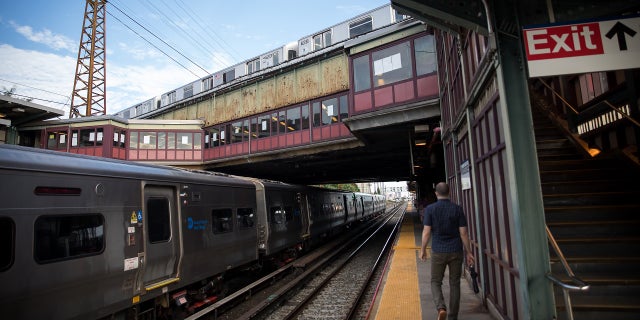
(626, 116)
(559, 97)
(580, 285)
(616, 109)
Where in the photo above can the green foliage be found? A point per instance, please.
(352, 187)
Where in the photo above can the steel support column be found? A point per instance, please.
(526, 197)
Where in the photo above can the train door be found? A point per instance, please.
(305, 214)
(345, 208)
(162, 248)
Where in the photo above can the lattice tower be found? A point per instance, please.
(89, 94)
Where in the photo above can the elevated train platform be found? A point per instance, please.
(405, 291)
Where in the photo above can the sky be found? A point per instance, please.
(39, 42)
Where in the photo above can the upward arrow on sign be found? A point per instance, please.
(619, 29)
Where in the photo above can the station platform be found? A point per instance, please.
(406, 289)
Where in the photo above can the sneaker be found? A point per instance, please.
(442, 314)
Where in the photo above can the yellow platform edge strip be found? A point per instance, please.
(401, 294)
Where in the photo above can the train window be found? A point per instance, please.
(361, 26)
(274, 123)
(245, 130)
(162, 140)
(147, 140)
(222, 220)
(171, 140)
(278, 215)
(425, 55)
(322, 40)
(91, 137)
(263, 126)
(288, 213)
(229, 76)
(215, 137)
(329, 111)
(254, 128)
(184, 140)
(57, 140)
(236, 132)
(361, 73)
(392, 64)
(133, 140)
(316, 115)
(253, 66)
(245, 218)
(119, 138)
(158, 219)
(305, 117)
(66, 237)
(207, 139)
(293, 119)
(282, 120)
(7, 243)
(197, 140)
(187, 91)
(344, 108)
(207, 83)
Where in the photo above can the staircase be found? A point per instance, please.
(592, 207)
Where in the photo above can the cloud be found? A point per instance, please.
(46, 37)
(30, 71)
(53, 74)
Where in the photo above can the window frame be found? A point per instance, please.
(215, 227)
(38, 243)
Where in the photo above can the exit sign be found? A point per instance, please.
(582, 47)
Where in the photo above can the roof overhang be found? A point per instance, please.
(446, 15)
(18, 112)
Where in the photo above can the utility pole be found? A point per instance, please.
(89, 94)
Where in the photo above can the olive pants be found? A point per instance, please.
(439, 262)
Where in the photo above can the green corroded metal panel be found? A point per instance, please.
(374, 43)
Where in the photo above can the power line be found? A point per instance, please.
(170, 46)
(24, 85)
(34, 98)
(197, 19)
(149, 42)
(179, 30)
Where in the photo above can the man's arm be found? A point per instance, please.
(464, 235)
(426, 233)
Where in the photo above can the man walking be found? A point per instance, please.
(448, 224)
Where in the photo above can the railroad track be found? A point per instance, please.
(328, 283)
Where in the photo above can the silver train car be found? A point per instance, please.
(87, 238)
(331, 36)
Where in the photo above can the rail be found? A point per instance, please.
(578, 284)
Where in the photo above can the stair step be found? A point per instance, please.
(594, 214)
(600, 279)
(600, 229)
(575, 164)
(613, 306)
(551, 144)
(613, 246)
(591, 198)
(586, 186)
(605, 268)
(579, 175)
(558, 156)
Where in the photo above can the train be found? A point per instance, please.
(325, 39)
(85, 237)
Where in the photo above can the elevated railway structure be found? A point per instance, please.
(365, 90)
